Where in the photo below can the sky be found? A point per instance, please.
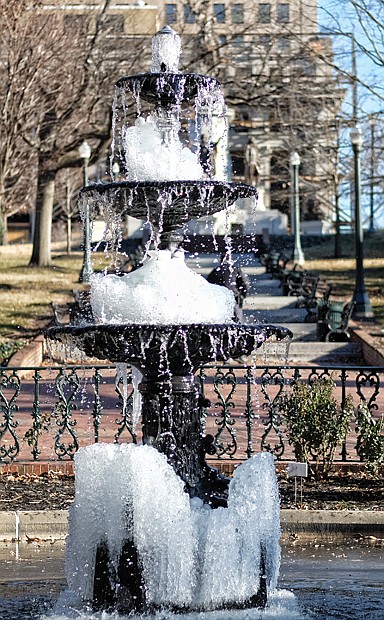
(340, 16)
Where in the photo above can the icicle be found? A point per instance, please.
(136, 403)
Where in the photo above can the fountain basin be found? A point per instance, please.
(171, 89)
(167, 204)
(166, 350)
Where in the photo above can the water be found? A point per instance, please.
(316, 583)
(166, 50)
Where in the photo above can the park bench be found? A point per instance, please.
(274, 263)
(80, 311)
(294, 282)
(311, 291)
(60, 313)
(303, 286)
(76, 312)
(316, 296)
(289, 276)
(333, 320)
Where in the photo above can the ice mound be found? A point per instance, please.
(166, 50)
(131, 492)
(164, 291)
(148, 158)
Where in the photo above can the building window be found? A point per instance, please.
(189, 16)
(113, 23)
(306, 66)
(265, 13)
(237, 13)
(222, 39)
(283, 13)
(265, 40)
(238, 40)
(282, 43)
(77, 23)
(170, 13)
(219, 13)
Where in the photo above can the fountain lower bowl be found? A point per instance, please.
(167, 350)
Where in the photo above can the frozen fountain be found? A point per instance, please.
(153, 526)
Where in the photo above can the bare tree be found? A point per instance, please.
(21, 63)
(57, 74)
(68, 185)
(279, 78)
(71, 109)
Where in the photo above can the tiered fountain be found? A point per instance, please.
(153, 526)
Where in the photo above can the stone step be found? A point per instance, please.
(326, 352)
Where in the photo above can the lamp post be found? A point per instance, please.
(298, 254)
(372, 122)
(362, 308)
(86, 270)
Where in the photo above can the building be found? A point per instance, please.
(281, 92)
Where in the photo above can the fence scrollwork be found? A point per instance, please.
(10, 386)
(43, 412)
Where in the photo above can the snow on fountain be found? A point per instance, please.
(164, 291)
(149, 158)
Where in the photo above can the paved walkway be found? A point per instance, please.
(266, 304)
(41, 526)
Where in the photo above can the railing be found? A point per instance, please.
(50, 412)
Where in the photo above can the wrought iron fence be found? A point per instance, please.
(48, 413)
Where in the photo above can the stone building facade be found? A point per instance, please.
(281, 92)
(282, 96)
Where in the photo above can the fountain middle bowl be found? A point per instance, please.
(166, 350)
(167, 202)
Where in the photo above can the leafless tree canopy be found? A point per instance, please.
(279, 75)
(57, 75)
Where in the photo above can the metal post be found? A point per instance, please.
(86, 270)
(371, 228)
(298, 254)
(363, 308)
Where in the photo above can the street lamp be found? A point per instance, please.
(86, 270)
(372, 122)
(362, 308)
(298, 254)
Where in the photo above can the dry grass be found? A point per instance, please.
(341, 271)
(27, 293)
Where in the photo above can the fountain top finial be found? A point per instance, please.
(166, 50)
(166, 30)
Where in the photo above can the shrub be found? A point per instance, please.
(315, 422)
(370, 437)
(8, 348)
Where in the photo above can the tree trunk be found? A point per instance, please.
(69, 234)
(41, 252)
(3, 229)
